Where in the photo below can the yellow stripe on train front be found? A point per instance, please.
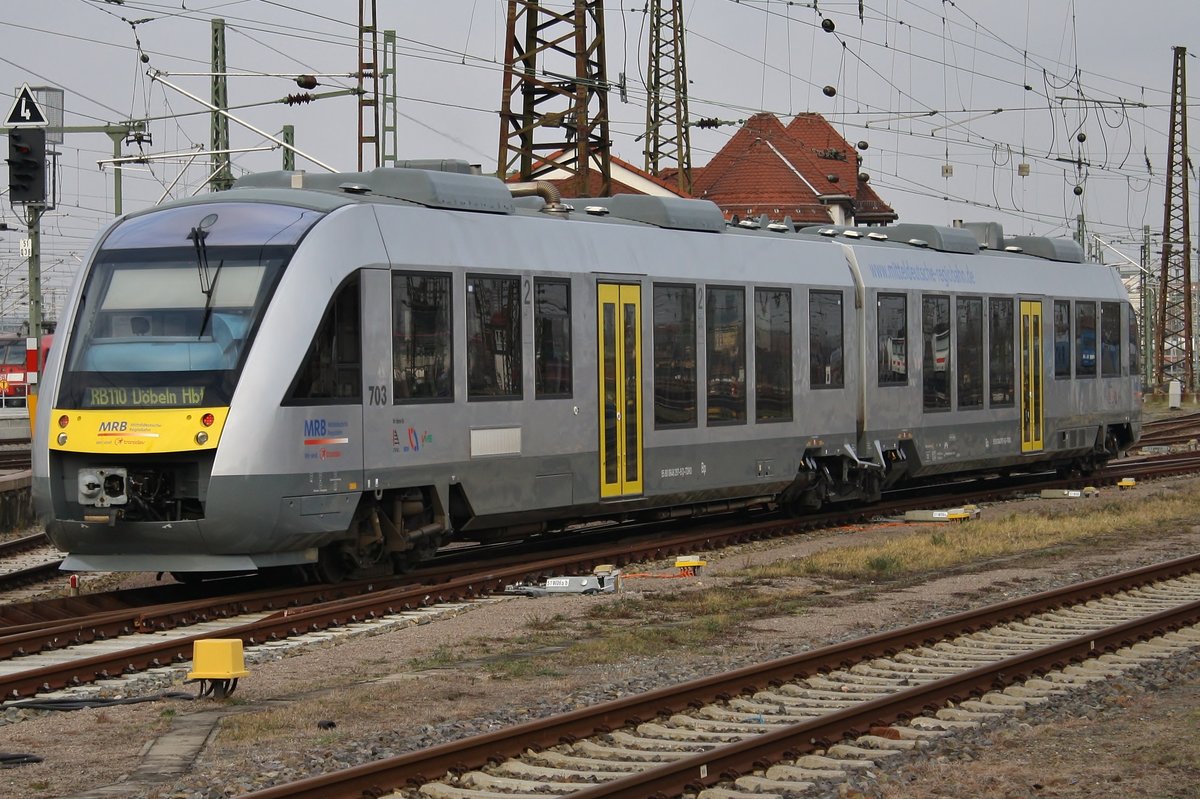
(138, 431)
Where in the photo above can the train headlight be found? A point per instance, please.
(62, 439)
(201, 437)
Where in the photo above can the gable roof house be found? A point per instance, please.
(805, 171)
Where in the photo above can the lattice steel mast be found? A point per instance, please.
(667, 133)
(1174, 334)
(554, 116)
(369, 150)
(222, 174)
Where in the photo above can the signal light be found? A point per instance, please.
(64, 420)
(26, 165)
(207, 420)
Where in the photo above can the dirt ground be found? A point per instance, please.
(407, 688)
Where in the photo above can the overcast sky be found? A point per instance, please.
(979, 86)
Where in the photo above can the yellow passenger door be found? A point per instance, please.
(1031, 376)
(620, 358)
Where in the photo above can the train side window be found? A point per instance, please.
(1135, 352)
(935, 337)
(674, 356)
(1085, 339)
(1110, 339)
(773, 355)
(1001, 352)
(1062, 338)
(725, 325)
(969, 350)
(332, 370)
(493, 337)
(422, 337)
(825, 339)
(552, 339)
(892, 316)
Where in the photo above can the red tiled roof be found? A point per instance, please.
(568, 188)
(766, 168)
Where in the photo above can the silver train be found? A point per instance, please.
(345, 372)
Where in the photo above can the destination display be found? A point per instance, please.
(144, 397)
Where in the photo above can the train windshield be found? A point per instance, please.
(169, 308)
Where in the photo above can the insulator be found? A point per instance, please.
(298, 99)
(829, 91)
(306, 81)
(827, 25)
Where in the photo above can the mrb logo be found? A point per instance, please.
(314, 427)
(113, 427)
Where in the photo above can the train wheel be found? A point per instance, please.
(331, 567)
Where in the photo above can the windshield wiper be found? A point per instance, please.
(198, 236)
(208, 300)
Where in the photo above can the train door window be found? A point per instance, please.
(1135, 353)
(892, 324)
(825, 339)
(493, 337)
(772, 355)
(674, 356)
(422, 337)
(1110, 339)
(968, 369)
(935, 337)
(1062, 338)
(332, 370)
(1085, 339)
(552, 339)
(1001, 352)
(725, 325)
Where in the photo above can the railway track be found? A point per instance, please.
(75, 640)
(779, 727)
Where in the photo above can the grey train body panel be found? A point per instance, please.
(275, 491)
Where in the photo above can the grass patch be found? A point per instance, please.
(441, 658)
(1076, 522)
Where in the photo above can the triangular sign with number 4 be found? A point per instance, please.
(25, 111)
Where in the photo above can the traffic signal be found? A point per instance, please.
(26, 165)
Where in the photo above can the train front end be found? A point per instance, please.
(135, 401)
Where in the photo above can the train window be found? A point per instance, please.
(1062, 338)
(1110, 339)
(552, 338)
(1001, 352)
(892, 315)
(969, 349)
(422, 346)
(332, 369)
(1085, 339)
(773, 355)
(493, 337)
(935, 337)
(725, 324)
(1135, 353)
(674, 356)
(825, 339)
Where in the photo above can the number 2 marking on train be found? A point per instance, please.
(378, 394)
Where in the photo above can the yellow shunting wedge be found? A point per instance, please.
(1126, 482)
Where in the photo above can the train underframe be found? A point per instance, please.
(396, 529)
